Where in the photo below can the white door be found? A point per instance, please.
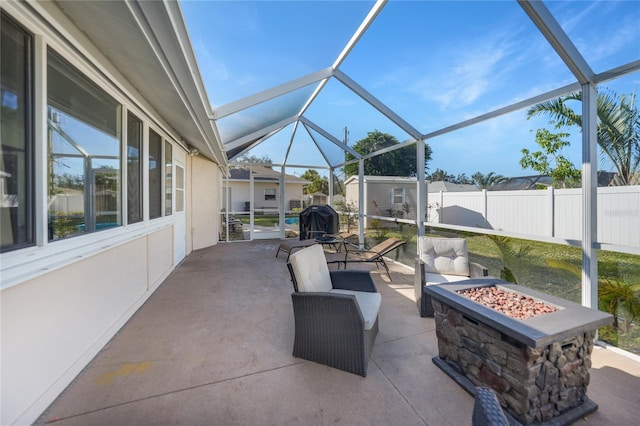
(180, 224)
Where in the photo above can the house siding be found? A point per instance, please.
(62, 301)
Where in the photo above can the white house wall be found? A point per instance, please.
(205, 203)
(240, 194)
(380, 193)
(53, 325)
(62, 301)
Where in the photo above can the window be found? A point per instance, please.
(134, 169)
(16, 193)
(83, 154)
(179, 189)
(155, 175)
(270, 194)
(168, 178)
(397, 195)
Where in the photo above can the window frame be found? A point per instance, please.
(56, 61)
(394, 195)
(126, 195)
(271, 197)
(28, 74)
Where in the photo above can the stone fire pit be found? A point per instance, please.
(539, 367)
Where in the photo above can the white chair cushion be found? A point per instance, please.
(310, 269)
(369, 304)
(444, 255)
(431, 278)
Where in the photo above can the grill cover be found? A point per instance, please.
(317, 220)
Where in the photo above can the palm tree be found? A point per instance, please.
(484, 181)
(618, 129)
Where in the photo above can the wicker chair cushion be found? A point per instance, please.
(369, 304)
(310, 269)
(431, 278)
(446, 256)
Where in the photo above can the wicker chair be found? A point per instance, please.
(335, 312)
(442, 260)
(487, 410)
(288, 246)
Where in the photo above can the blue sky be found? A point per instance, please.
(434, 63)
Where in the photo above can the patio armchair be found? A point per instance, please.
(288, 246)
(441, 260)
(487, 410)
(374, 254)
(335, 312)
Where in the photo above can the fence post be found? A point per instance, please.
(552, 211)
(485, 208)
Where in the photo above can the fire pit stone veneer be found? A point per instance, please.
(539, 367)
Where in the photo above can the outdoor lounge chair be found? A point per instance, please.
(335, 312)
(442, 260)
(374, 254)
(288, 246)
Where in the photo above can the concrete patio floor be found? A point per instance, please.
(213, 346)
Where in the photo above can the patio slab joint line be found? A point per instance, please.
(59, 419)
(399, 392)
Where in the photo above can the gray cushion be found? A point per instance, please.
(369, 304)
(446, 256)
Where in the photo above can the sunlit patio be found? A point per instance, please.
(213, 346)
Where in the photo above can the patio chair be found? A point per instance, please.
(343, 239)
(441, 260)
(487, 410)
(288, 246)
(374, 254)
(335, 312)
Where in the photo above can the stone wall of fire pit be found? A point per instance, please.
(539, 367)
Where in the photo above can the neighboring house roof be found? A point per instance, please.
(261, 173)
(431, 186)
(443, 186)
(532, 182)
(522, 182)
(382, 179)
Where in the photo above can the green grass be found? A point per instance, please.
(549, 268)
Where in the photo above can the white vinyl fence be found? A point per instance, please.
(549, 213)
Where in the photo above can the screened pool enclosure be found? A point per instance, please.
(449, 104)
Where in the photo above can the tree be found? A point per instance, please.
(318, 183)
(401, 162)
(254, 159)
(441, 175)
(483, 181)
(618, 129)
(550, 160)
